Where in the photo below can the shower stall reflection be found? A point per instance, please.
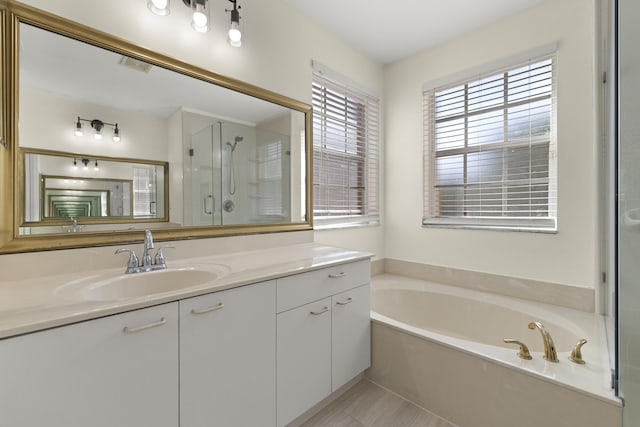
(240, 174)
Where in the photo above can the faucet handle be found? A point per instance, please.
(524, 350)
(159, 258)
(133, 259)
(576, 353)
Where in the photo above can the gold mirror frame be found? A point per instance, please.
(11, 15)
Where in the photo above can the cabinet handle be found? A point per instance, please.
(208, 310)
(129, 330)
(345, 302)
(319, 312)
(337, 275)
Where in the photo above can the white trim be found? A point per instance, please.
(490, 67)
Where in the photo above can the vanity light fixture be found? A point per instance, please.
(85, 162)
(234, 33)
(159, 7)
(97, 126)
(200, 14)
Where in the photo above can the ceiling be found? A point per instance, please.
(391, 30)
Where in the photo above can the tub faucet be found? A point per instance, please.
(549, 347)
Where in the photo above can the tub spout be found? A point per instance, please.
(549, 347)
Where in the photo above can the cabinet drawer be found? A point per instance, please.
(299, 289)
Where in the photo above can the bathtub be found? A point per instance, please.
(442, 348)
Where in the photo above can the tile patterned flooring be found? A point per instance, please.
(368, 405)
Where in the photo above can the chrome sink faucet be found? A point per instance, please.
(549, 347)
(146, 263)
(148, 244)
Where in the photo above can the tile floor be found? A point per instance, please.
(368, 405)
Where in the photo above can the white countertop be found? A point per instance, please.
(33, 304)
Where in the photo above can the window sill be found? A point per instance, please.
(320, 225)
(531, 225)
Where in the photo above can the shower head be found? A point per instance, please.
(235, 143)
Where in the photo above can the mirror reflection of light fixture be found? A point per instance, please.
(159, 7)
(116, 134)
(85, 162)
(234, 33)
(97, 126)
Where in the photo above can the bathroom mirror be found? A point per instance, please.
(222, 157)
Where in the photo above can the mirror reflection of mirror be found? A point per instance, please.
(234, 159)
(59, 186)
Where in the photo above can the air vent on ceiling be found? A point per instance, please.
(135, 64)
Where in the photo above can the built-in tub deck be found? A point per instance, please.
(442, 347)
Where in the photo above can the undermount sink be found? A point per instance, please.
(138, 285)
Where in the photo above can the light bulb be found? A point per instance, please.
(158, 7)
(200, 18)
(75, 165)
(96, 168)
(78, 131)
(235, 36)
(97, 135)
(116, 134)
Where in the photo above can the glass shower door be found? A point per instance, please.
(205, 177)
(628, 242)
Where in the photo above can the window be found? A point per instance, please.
(490, 152)
(271, 183)
(144, 190)
(345, 154)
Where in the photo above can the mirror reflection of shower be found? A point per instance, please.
(238, 173)
(232, 168)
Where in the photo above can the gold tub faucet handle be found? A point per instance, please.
(524, 350)
(576, 353)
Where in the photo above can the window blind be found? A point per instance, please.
(270, 183)
(490, 150)
(144, 185)
(345, 154)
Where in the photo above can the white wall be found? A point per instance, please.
(48, 122)
(571, 255)
(278, 46)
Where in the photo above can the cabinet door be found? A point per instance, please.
(120, 371)
(351, 335)
(227, 358)
(304, 358)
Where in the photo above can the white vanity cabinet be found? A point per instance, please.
(227, 358)
(351, 334)
(120, 370)
(255, 355)
(323, 334)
